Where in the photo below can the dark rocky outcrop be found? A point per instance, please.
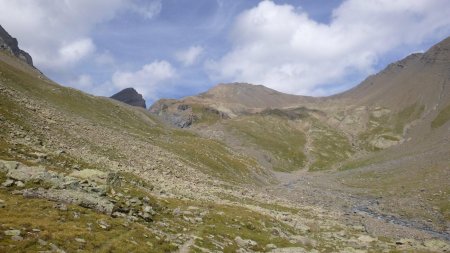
(10, 44)
(130, 96)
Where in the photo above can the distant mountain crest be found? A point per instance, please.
(250, 96)
(10, 44)
(439, 53)
(130, 96)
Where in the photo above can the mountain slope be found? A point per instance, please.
(405, 104)
(419, 78)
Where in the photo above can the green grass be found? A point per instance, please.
(205, 115)
(292, 114)
(61, 228)
(442, 118)
(276, 135)
(212, 157)
(235, 221)
(329, 148)
(220, 224)
(355, 164)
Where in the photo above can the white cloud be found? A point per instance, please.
(189, 56)
(281, 47)
(147, 9)
(147, 80)
(83, 81)
(105, 59)
(57, 33)
(71, 53)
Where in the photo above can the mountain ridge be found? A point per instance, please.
(7, 42)
(221, 96)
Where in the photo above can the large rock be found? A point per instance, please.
(91, 174)
(243, 243)
(82, 199)
(24, 173)
(130, 96)
(10, 44)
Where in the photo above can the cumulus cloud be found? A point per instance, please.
(282, 47)
(83, 81)
(147, 79)
(189, 56)
(57, 33)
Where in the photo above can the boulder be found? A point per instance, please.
(91, 174)
(13, 232)
(242, 243)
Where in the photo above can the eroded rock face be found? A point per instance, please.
(130, 96)
(10, 44)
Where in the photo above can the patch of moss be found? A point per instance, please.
(442, 117)
(233, 221)
(329, 147)
(213, 157)
(355, 164)
(205, 115)
(275, 135)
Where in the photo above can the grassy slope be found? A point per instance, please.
(62, 228)
(275, 135)
(280, 135)
(329, 147)
(221, 223)
(210, 156)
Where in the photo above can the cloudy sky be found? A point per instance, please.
(175, 48)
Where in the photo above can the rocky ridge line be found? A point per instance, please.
(10, 44)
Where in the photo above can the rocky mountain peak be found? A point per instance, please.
(130, 96)
(10, 44)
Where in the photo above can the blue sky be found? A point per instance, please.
(176, 48)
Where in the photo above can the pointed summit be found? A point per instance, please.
(130, 96)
